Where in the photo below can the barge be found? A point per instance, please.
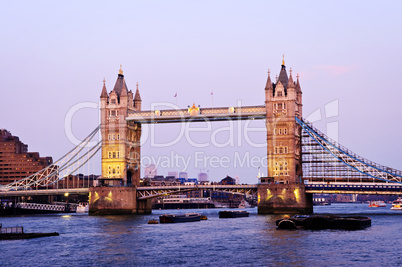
(178, 218)
(233, 213)
(319, 222)
(10, 233)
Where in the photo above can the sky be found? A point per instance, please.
(55, 54)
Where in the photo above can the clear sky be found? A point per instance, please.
(55, 54)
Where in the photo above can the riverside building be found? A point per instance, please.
(16, 162)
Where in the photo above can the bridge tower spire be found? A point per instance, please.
(283, 190)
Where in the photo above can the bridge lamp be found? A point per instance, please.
(66, 194)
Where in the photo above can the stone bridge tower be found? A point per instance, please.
(282, 191)
(121, 141)
(117, 190)
(283, 102)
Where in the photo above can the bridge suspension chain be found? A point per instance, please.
(62, 168)
(341, 154)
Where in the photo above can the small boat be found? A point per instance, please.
(377, 204)
(397, 204)
(203, 218)
(174, 218)
(233, 213)
(82, 208)
(153, 222)
(244, 204)
(319, 222)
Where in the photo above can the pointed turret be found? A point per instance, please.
(137, 99)
(269, 83)
(290, 82)
(298, 88)
(104, 92)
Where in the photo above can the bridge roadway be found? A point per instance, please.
(146, 192)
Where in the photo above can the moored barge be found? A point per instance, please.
(233, 213)
(319, 222)
(178, 218)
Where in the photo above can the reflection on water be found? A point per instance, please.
(252, 241)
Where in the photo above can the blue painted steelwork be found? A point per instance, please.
(378, 172)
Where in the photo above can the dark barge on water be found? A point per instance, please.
(9, 233)
(178, 218)
(233, 213)
(319, 222)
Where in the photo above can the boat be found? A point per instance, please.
(153, 222)
(10, 233)
(244, 204)
(397, 204)
(377, 204)
(233, 213)
(319, 222)
(178, 218)
(82, 208)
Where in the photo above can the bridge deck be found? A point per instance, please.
(198, 114)
(144, 192)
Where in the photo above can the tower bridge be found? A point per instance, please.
(301, 159)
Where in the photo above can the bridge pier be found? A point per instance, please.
(116, 201)
(284, 198)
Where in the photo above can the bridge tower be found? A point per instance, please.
(120, 152)
(282, 191)
(121, 141)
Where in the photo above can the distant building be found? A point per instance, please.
(228, 181)
(150, 171)
(192, 180)
(173, 173)
(203, 177)
(16, 162)
(183, 175)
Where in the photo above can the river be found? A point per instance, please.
(253, 241)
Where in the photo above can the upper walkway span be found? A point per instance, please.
(197, 114)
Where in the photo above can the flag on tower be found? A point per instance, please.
(175, 94)
(212, 93)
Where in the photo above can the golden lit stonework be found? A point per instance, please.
(193, 110)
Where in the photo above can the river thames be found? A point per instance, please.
(253, 241)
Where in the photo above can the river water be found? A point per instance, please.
(254, 241)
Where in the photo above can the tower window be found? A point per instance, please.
(279, 93)
(113, 101)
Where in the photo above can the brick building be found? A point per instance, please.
(16, 162)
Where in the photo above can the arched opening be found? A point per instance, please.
(298, 173)
(129, 178)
